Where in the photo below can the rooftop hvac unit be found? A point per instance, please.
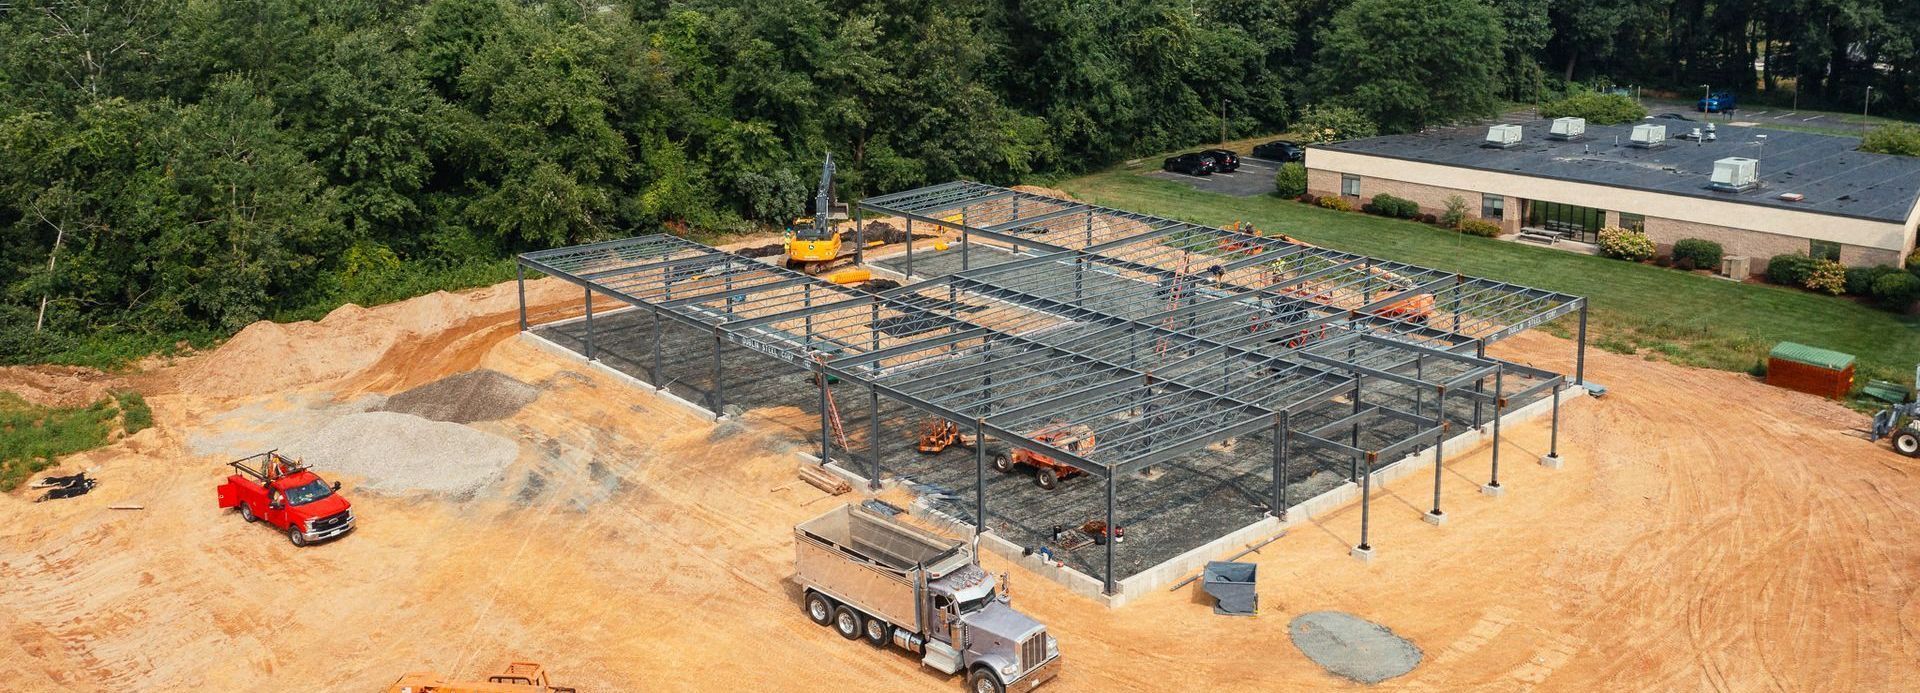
(1568, 128)
(1648, 135)
(1735, 173)
(1502, 136)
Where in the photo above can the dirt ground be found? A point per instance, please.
(1707, 533)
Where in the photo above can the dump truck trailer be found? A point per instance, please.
(872, 578)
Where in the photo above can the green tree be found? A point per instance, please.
(1409, 65)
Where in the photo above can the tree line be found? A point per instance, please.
(184, 167)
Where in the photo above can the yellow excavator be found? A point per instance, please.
(813, 242)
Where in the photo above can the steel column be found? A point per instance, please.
(859, 237)
(1280, 441)
(520, 284)
(1439, 454)
(1353, 464)
(1553, 437)
(589, 293)
(1480, 351)
(910, 248)
(1110, 582)
(826, 437)
(719, 381)
(873, 434)
(1580, 349)
(1366, 504)
(655, 370)
(980, 477)
(1499, 402)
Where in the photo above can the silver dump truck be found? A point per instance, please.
(882, 581)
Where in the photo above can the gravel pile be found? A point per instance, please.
(482, 395)
(401, 453)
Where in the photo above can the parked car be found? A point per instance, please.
(1280, 150)
(1224, 160)
(1717, 102)
(1190, 164)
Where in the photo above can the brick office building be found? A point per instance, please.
(1803, 193)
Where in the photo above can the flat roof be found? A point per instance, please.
(1827, 170)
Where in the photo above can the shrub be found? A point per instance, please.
(1388, 205)
(1335, 202)
(1913, 263)
(1694, 253)
(1479, 227)
(1789, 270)
(1896, 138)
(1307, 199)
(1429, 219)
(1456, 212)
(1897, 291)
(1597, 108)
(1333, 123)
(1625, 244)
(1828, 276)
(1291, 180)
(1860, 279)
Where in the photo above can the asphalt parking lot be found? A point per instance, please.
(1255, 177)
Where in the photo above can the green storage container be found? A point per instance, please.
(1812, 356)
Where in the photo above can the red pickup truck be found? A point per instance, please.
(288, 496)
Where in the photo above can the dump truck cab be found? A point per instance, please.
(272, 488)
(872, 578)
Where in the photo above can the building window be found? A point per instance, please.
(1350, 185)
(1493, 207)
(1572, 221)
(1633, 222)
(1823, 250)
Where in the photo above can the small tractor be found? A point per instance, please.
(813, 242)
(1076, 438)
(518, 677)
(286, 495)
(1901, 422)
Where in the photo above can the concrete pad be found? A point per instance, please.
(1436, 519)
(1352, 647)
(1495, 491)
(1365, 555)
(1552, 461)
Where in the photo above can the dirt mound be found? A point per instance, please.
(57, 386)
(351, 340)
(401, 453)
(482, 395)
(1049, 192)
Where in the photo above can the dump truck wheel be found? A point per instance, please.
(847, 621)
(298, 539)
(1908, 443)
(1047, 479)
(983, 681)
(1002, 463)
(819, 608)
(246, 513)
(877, 632)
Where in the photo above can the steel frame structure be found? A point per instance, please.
(1162, 336)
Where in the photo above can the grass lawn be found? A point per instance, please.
(32, 437)
(1661, 313)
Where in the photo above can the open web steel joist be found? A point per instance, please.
(1160, 336)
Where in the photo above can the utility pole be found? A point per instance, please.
(1864, 103)
(1223, 120)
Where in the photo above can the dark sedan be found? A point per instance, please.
(1280, 150)
(1190, 164)
(1224, 160)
